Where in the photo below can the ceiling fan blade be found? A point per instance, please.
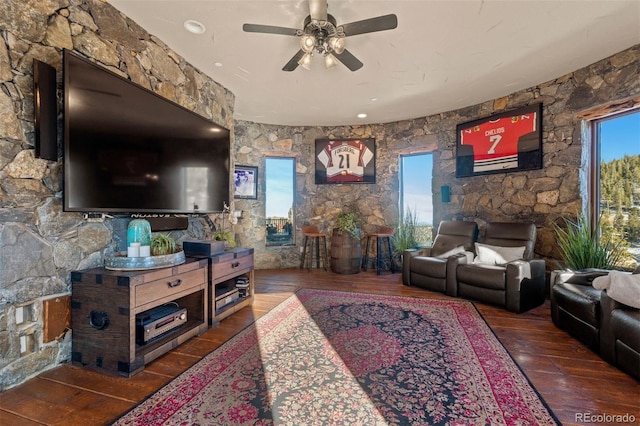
(269, 29)
(293, 62)
(318, 9)
(349, 60)
(381, 23)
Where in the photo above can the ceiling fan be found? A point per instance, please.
(321, 34)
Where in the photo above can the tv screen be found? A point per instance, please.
(129, 150)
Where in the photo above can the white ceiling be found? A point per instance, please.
(444, 55)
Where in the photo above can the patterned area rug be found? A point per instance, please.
(335, 358)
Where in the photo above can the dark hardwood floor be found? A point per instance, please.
(572, 379)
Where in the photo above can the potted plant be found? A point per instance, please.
(346, 248)
(581, 247)
(347, 223)
(405, 236)
(162, 244)
(221, 233)
(226, 236)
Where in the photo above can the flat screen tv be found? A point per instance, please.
(128, 150)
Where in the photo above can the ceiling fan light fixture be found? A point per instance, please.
(330, 61)
(336, 44)
(305, 61)
(307, 43)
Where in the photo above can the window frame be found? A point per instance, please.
(594, 145)
(291, 243)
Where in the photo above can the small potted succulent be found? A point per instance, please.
(162, 244)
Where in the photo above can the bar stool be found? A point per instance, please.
(313, 236)
(383, 238)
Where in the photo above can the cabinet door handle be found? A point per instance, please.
(235, 264)
(175, 283)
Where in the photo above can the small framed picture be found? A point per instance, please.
(245, 180)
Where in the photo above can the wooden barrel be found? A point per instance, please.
(346, 254)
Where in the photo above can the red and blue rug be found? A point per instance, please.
(336, 358)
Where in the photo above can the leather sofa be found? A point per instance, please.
(518, 284)
(509, 276)
(606, 326)
(431, 267)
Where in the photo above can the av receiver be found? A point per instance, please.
(157, 321)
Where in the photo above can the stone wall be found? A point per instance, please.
(39, 243)
(539, 196)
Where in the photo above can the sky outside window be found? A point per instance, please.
(417, 171)
(619, 137)
(279, 186)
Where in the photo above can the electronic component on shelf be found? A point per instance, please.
(157, 321)
(226, 296)
(242, 284)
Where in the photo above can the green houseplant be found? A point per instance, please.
(347, 223)
(581, 247)
(162, 244)
(222, 235)
(405, 236)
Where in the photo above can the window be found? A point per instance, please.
(280, 185)
(416, 198)
(615, 192)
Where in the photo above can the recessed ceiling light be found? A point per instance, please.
(217, 64)
(374, 99)
(194, 27)
(362, 115)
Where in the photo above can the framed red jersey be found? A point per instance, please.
(345, 161)
(505, 142)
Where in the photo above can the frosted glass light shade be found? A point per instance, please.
(330, 61)
(305, 61)
(336, 44)
(307, 42)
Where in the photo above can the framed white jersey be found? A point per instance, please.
(509, 141)
(345, 160)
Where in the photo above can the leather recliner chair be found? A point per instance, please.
(519, 284)
(428, 268)
(575, 306)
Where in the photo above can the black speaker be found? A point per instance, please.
(45, 108)
(445, 192)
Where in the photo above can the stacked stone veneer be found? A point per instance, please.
(40, 244)
(538, 196)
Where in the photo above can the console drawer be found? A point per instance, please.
(169, 286)
(231, 267)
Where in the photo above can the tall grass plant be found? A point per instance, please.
(581, 246)
(405, 235)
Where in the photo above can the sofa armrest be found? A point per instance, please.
(586, 276)
(525, 284)
(452, 268)
(407, 255)
(406, 265)
(607, 337)
(422, 251)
